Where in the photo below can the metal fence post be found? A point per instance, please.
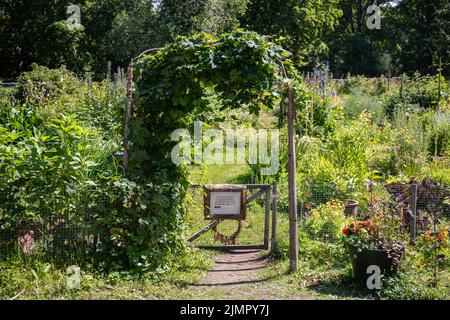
(413, 220)
(267, 219)
(274, 216)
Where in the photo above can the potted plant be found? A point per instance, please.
(368, 248)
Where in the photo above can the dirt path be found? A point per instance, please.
(240, 275)
(235, 268)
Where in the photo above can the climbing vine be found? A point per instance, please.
(171, 88)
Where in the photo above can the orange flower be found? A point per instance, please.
(442, 235)
(346, 231)
(427, 235)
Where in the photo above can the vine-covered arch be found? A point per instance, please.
(171, 89)
(242, 68)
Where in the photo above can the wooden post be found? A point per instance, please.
(274, 216)
(293, 239)
(129, 106)
(389, 81)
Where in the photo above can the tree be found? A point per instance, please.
(356, 49)
(187, 17)
(303, 23)
(23, 26)
(133, 31)
(427, 36)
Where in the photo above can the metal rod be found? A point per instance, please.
(274, 216)
(267, 221)
(204, 230)
(413, 223)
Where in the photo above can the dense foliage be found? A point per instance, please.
(414, 35)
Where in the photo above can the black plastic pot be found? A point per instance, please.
(361, 260)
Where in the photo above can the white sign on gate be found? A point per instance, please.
(225, 203)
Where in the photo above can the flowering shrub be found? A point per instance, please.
(434, 249)
(361, 235)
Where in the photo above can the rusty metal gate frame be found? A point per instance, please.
(268, 241)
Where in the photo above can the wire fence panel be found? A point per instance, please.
(75, 230)
(422, 205)
(66, 232)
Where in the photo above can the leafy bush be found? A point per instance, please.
(435, 251)
(366, 86)
(60, 182)
(419, 93)
(438, 127)
(100, 107)
(413, 282)
(42, 86)
(321, 255)
(317, 116)
(326, 221)
(438, 170)
(338, 167)
(47, 168)
(357, 102)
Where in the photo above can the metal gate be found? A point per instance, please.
(254, 233)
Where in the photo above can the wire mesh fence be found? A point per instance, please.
(63, 231)
(421, 206)
(73, 230)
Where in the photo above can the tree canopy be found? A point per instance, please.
(414, 34)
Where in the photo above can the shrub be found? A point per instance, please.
(326, 221)
(412, 282)
(50, 178)
(357, 102)
(420, 93)
(42, 86)
(321, 255)
(435, 250)
(438, 170)
(101, 107)
(339, 166)
(318, 115)
(366, 86)
(438, 127)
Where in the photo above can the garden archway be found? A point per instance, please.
(171, 89)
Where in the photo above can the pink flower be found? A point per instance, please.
(27, 243)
